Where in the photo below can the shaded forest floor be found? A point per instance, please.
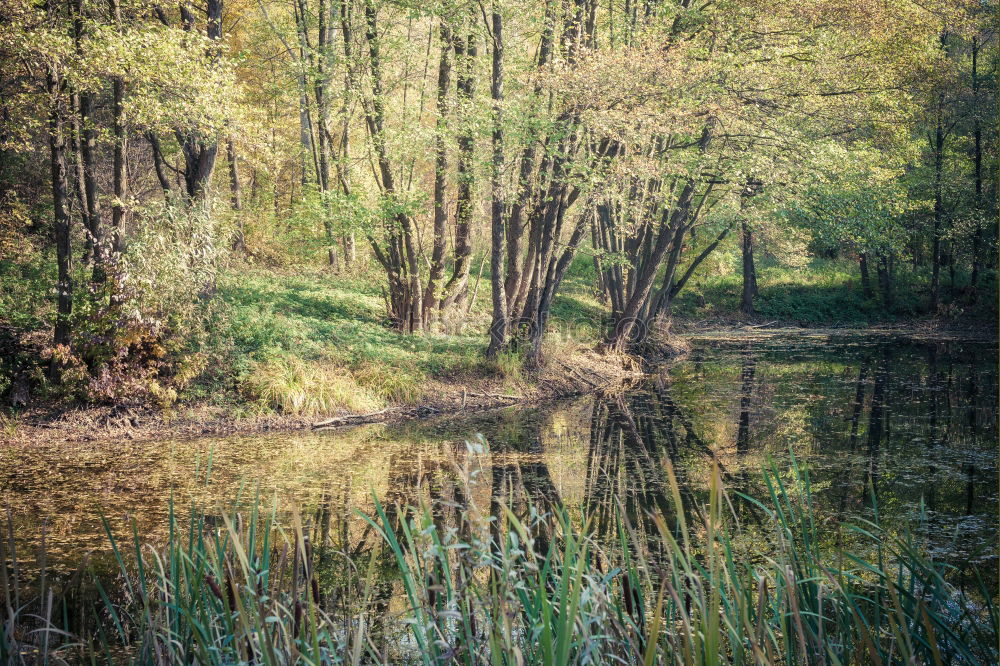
(286, 348)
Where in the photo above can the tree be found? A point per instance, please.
(858, 199)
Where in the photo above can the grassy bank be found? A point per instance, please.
(828, 292)
(315, 343)
(307, 342)
(301, 341)
(459, 583)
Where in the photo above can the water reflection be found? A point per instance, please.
(908, 428)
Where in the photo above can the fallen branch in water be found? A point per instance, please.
(340, 420)
(494, 395)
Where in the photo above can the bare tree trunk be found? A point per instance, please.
(235, 188)
(159, 164)
(884, 281)
(88, 148)
(61, 218)
(119, 174)
(749, 271)
(466, 51)
(440, 240)
(521, 272)
(673, 226)
(498, 329)
(81, 191)
(977, 161)
(399, 257)
(321, 90)
(350, 247)
(236, 198)
(866, 282)
(938, 198)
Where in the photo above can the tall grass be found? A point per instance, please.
(517, 586)
(294, 386)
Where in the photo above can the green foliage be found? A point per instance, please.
(857, 198)
(826, 292)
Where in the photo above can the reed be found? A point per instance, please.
(514, 587)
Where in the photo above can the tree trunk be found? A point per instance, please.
(554, 277)
(399, 257)
(199, 153)
(119, 174)
(433, 290)
(235, 188)
(866, 282)
(522, 272)
(749, 271)
(673, 226)
(236, 198)
(350, 247)
(938, 199)
(498, 329)
(87, 164)
(88, 148)
(159, 164)
(61, 218)
(321, 86)
(458, 285)
(977, 162)
(81, 191)
(884, 281)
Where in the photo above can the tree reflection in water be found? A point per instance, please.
(912, 426)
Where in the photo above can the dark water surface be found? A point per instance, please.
(907, 427)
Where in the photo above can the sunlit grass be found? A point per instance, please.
(293, 386)
(298, 342)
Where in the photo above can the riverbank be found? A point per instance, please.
(569, 372)
(282, 349)
(572, 372)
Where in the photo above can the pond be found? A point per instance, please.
(902, 429)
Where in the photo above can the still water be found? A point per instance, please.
(905, 429)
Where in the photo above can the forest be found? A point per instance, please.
(498, 332)
(175, 178)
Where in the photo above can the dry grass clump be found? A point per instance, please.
(294, 386)
(390, 383)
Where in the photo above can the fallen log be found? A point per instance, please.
(494, 395)
(349, 418)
